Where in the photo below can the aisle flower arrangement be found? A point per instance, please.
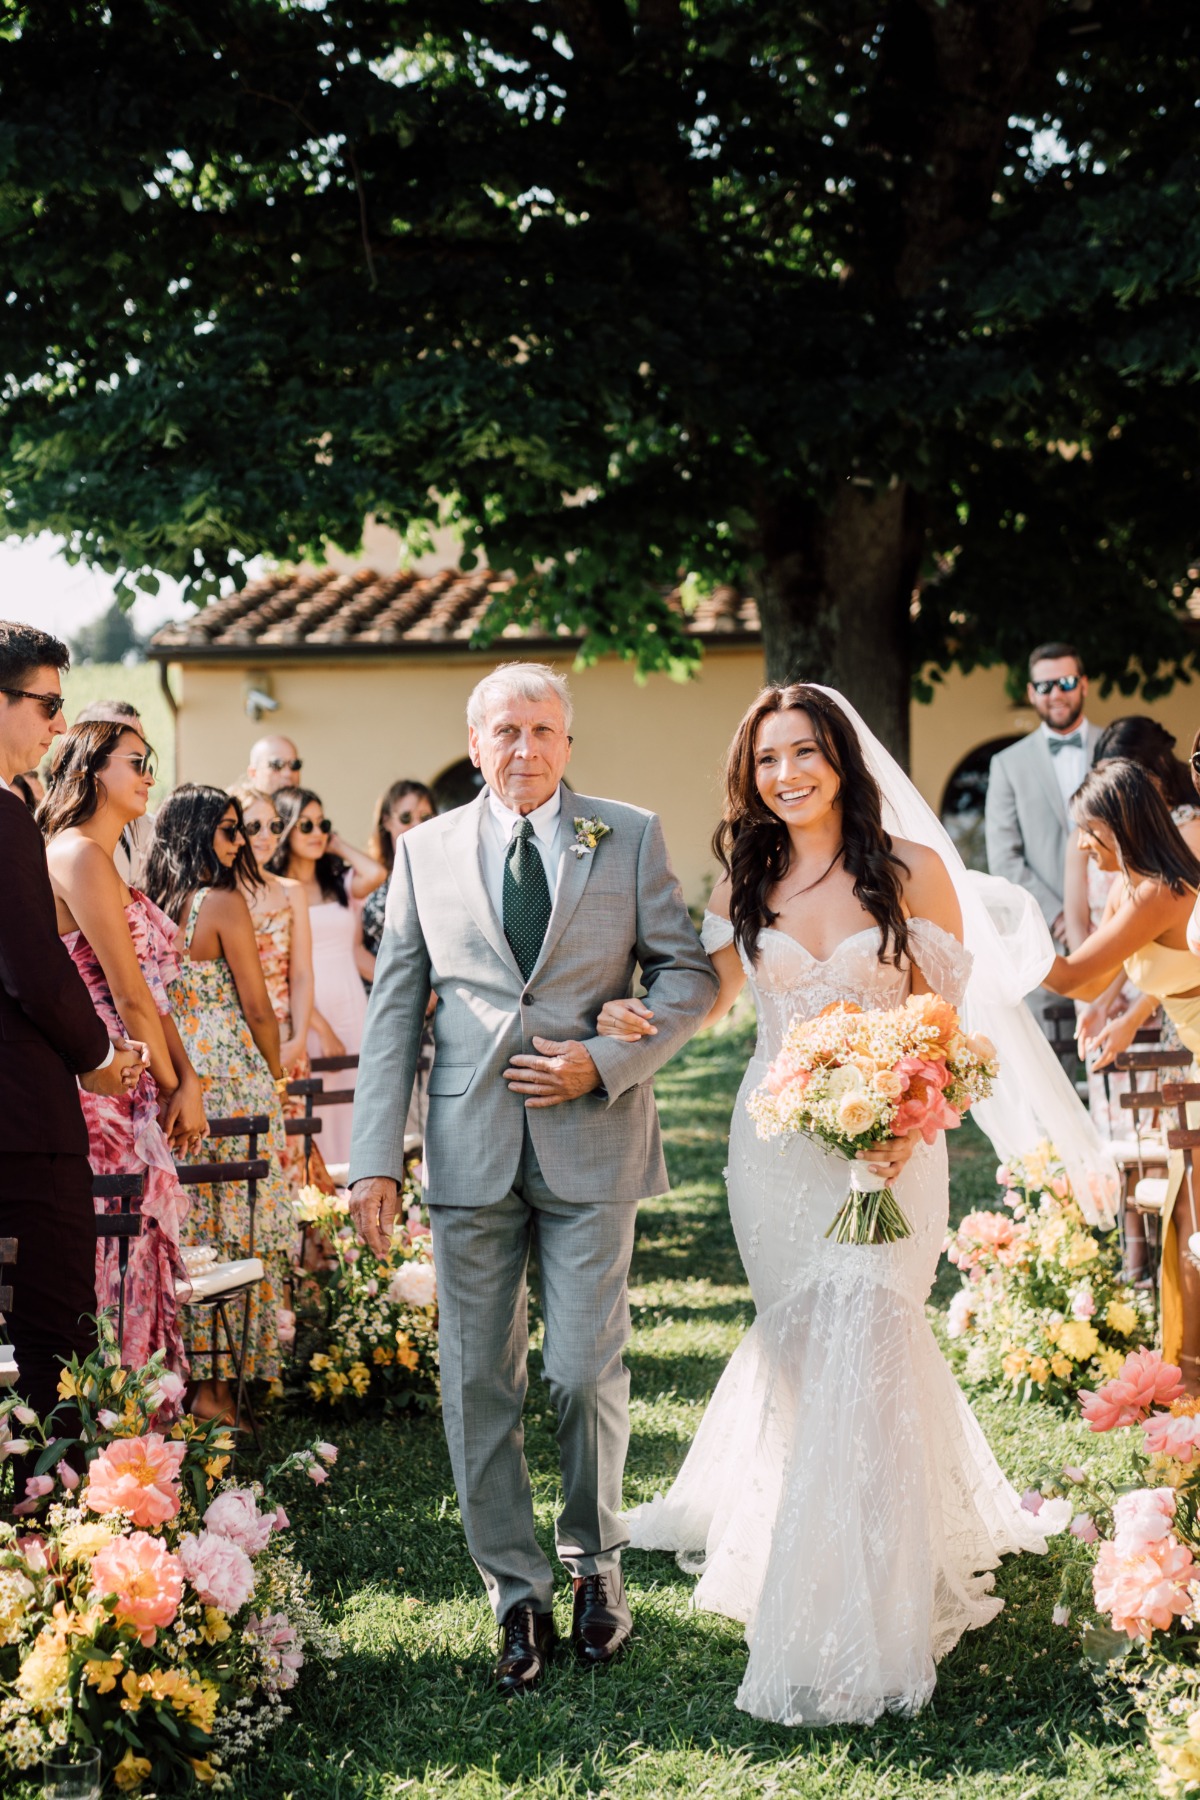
(1136, 1588)
(852, 1079)
(1043, 1309)
(376, 1317)
(150, 1606)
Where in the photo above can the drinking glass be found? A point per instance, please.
(72, 1775)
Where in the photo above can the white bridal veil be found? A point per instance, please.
(1012, 950)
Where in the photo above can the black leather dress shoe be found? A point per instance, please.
(602, 1622)
(527, 1641)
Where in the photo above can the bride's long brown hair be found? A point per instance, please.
(752, 844)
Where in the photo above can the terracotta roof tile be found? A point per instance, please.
(321, 610)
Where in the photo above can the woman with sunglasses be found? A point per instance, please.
(199, 869)
(124, 947)
(401, 807)
(330, 874)
(1127, 830)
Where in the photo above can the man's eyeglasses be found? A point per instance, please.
(254, 826)
(309, 825)
(53, 703)
(231, 833)
(144, 761)
(1068, 684)
(278, 763)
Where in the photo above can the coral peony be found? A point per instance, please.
(219, 1570)
(1168, 1434)
(235, 1515)
(1145, 1380)
(146, 1579)
(139, 1476)
(1144, 1592)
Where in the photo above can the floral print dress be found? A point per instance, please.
(236, 1083)
(125, 1138)
(272, 917)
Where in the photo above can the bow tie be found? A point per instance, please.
(1074, 742)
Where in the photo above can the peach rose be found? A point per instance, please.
(855, 1115)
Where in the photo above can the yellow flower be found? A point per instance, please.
(103, 1675)
(136, 1687)
(337, 1384)
(318, 1362)
(44, 1671)
(203, 1770)
(1079, 1340)
(131, 1771)
(216, 1627)
(1039, 1370)
(383, 1354)
(1060, 1366)
(1082, 1250)
(16, 1591)
(316, 1389)
(117, 1378)
(1015, 1364)
(216, 1466)
(1121, 1317)
(1110, 1363)
(66, 1386)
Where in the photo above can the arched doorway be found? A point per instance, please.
(964, 799)
(457, 785)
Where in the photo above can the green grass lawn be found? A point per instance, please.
(409, 1709)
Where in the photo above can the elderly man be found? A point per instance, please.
(49, 1033)
(274, 763)
(525, 911)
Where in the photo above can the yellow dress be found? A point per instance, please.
(1167, 974)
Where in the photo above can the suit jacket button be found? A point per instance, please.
(527, 999)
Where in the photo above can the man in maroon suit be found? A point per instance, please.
(49, 1034)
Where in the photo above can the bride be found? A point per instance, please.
(839, 1498)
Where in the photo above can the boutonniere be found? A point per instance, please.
(588, 833)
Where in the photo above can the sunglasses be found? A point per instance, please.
(1068, 684)
(53, 703)
(309, 825)
(144, 761)
(231, 833)
(408, 818)
(282, 762)
(1194, 759)
(254, 826)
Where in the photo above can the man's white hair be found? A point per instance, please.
(517, 681)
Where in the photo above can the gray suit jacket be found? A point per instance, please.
(1026, 820)
(614, 909)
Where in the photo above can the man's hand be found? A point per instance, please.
(561, 1072)
(122, 1074)
(374, 1204)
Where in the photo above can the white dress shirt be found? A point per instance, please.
(498, 827)
(1071, 765)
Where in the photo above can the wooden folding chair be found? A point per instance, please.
(1060, 1018)
(123, 1226)
(8, 1361)
(1142, 1160)
(306, 1088)
(217, 1286)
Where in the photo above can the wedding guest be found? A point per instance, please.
(49, 1033)
(284, 938)
(330, 872)
(1127, 829)
(274, 763)
(402, 806)
(1030, 785)
(199, 871)
(28, 787)
(100, 778)
(134, 846)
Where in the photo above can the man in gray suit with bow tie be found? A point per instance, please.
(1030, 785)
(524, 912)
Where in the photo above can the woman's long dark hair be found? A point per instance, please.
(381, 844)
(182, 857)
(752, 843)
(75, 787)
(1143, 740)
(1121, 795)
(331, 870)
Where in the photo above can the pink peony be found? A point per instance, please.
(235, 1515)
(1167, 1435)
(1145, 1381)
(924, 1107)
(1142, 1518)
(139, 1476)
(1144, 1592)
(218, 1569)
(146, 1579)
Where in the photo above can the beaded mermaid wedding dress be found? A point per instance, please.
(839, 1498)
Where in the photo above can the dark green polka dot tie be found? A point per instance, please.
(526, 898)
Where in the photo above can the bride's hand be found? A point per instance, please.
(889, 1158)
(626, 1020)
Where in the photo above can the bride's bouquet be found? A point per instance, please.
(853, 1079)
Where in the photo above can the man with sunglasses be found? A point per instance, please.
(1030, 785)
(274, 763)
(50, 1034)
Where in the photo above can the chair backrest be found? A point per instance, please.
(127, 1189)
(331, 1065)
(251, 1169)
(1179, 1095)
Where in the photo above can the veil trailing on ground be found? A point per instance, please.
(1012, 950)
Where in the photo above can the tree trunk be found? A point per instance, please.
(835, 589)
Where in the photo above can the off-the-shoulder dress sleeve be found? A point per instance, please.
(715, 932)
(942, 960)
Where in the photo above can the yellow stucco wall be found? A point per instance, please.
(660, 745)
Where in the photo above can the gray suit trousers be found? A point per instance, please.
(481, 1255)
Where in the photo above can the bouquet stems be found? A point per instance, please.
(870, 1213)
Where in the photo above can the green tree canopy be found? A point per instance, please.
(109, 639)
(888, 308)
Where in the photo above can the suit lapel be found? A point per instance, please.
(1045, 767)
(462, 850)
(572, 875)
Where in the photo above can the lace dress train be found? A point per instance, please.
(839, 1497)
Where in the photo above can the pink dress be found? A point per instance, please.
(125, 1137)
